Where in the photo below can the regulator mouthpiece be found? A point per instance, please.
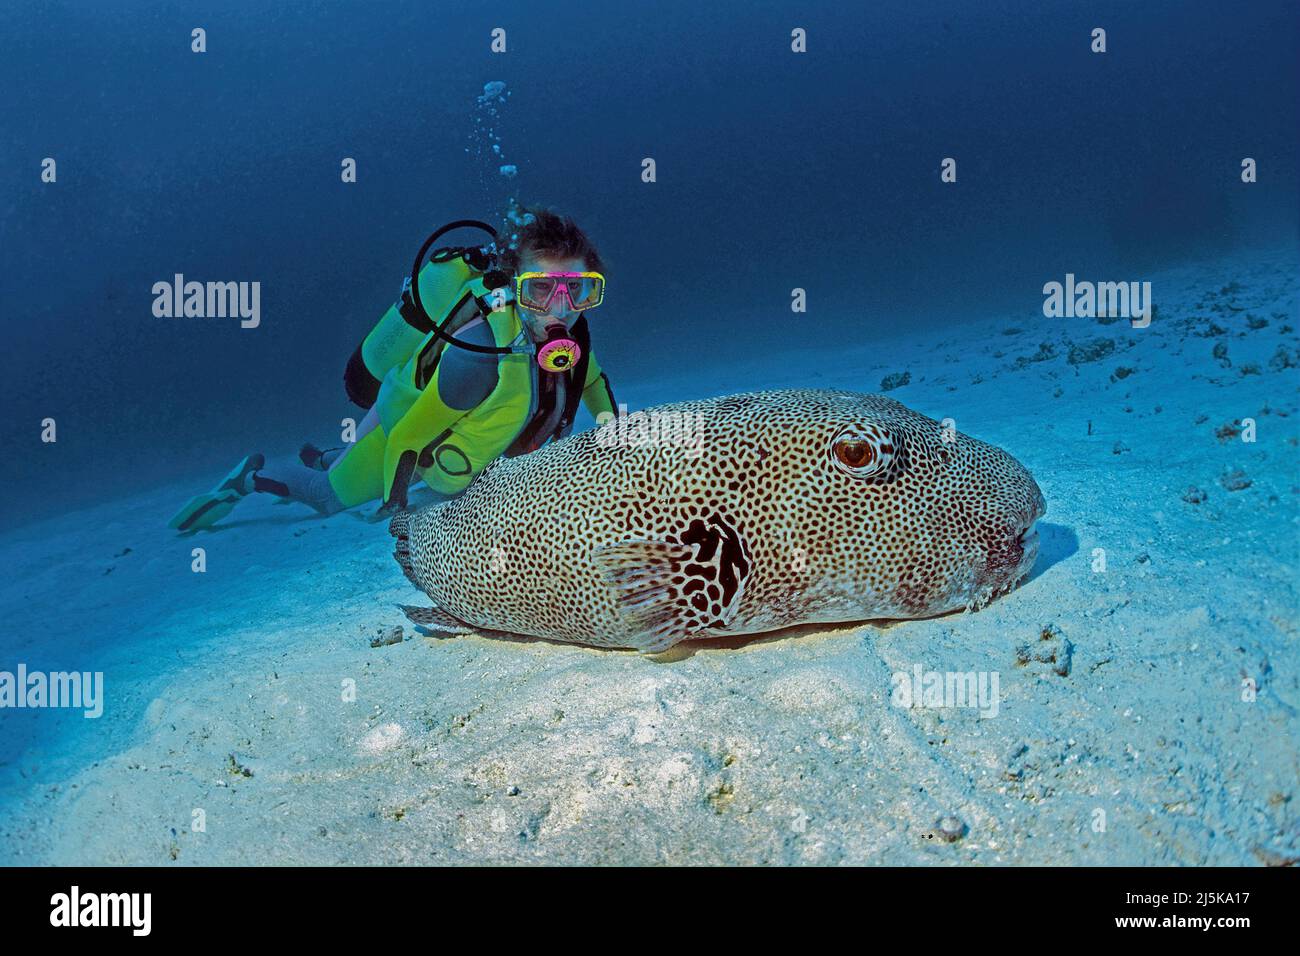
(559, 354)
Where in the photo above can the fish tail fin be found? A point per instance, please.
(400, 529)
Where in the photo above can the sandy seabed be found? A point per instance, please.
(1126, 731)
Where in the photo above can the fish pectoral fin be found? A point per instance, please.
(434, 618)
(642, 577)
(667, 591)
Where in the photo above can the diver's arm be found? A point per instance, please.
(388, 345)
(597, 393)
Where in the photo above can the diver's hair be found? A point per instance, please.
(553, 236)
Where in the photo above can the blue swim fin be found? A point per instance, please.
(205, 510)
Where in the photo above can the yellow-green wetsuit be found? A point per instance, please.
(450, 412)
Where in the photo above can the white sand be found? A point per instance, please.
(225, 688)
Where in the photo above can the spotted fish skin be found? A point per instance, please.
(792, 507)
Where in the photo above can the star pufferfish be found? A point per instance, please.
(752, 513)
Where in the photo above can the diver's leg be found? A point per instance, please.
(357, 475)
(287, 478)
(318, 458)
(365, 428)
(314, 457)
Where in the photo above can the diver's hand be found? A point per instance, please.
(387, 510)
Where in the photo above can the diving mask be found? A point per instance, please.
(536, 291)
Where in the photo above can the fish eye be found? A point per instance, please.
(854, 453)
(862, 452)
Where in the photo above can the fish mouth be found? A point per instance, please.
(1012, 548)
(1007, 567)
(1029, 538)
(1027, 542)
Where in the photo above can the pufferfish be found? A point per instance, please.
(731, 515)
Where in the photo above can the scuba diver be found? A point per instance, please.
(486, 353)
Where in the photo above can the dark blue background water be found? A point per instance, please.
(775, 170)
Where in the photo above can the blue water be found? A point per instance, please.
(775, 171)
